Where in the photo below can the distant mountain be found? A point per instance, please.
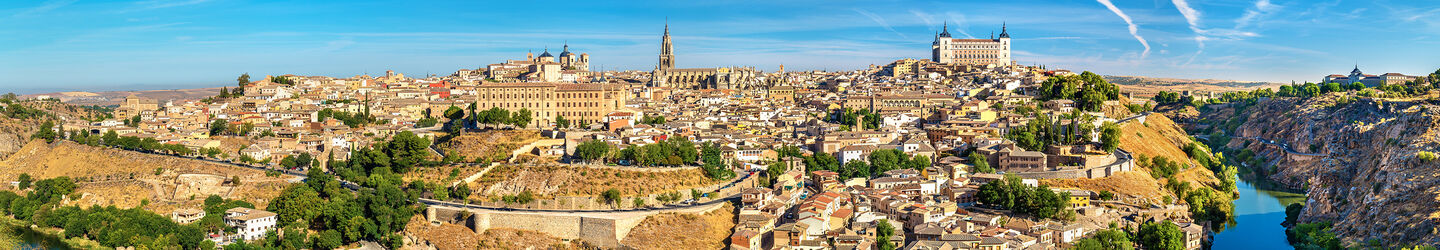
(116, 97)
(1157, 81)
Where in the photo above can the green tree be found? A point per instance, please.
(1107, 239)
(1110, 137)
(561, 122)
(24, 181)
(406, 150)
(295, 205)
(981, 164)
(1161, 235)
(454, 113)
(521, 118)
(46, 132)
(611, 195)
(592, 150)
(883, 231)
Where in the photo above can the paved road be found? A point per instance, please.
(1282, 145)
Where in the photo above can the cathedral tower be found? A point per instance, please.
(667, 54)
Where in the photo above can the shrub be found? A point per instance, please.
(1425, 156)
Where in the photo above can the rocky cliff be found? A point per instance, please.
(1360, 160)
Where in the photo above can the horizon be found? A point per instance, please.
(68, 45)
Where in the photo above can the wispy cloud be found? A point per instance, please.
(1134, 29)
(1261, 8)
(1192, 17)
(879, 20)
(161, 4)
(46, 7)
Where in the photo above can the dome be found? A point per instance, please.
(566, 52)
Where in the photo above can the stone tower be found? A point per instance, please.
(667, 53)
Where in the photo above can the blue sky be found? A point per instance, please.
(156, 44)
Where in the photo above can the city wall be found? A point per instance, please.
(604, 229)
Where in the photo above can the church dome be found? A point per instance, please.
(566, 52)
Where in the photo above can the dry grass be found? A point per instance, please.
(1158, 136)
(683, 231)
(1132, 183)
(454, 236)
(126, 179)
(570, 180)
(492, 145)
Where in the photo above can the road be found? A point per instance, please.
(1282, 145)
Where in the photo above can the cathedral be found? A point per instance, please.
(666, 75)
(993, 51)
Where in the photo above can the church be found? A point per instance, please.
(568, 67)
(666, 75)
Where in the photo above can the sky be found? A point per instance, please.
(96, 45)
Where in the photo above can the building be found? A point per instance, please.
(1369, 80)
(134, 105)
(666, 75)
(993, 51)
(250, 224)
(186, 215)
(589, 102)
(569, 67)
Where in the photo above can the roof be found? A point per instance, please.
(247, 214)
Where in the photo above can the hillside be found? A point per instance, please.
(22, 119)
(1370, 178)
(116, 97)
(683, 231)
(491, 145)
(1142, 86)
(125, 178)
(1158, 136)
(579, 180)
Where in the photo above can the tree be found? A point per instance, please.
(407, 150)
(1106, 240)
(218, 126)
(560, 122)
(592, 150)
(46, 132)
(328, 239)
(611, 195)
(883, 232)
(521, 118)
(243, 79)
(24, 181)
(454, 113)
(1110, 137)
(1161, 235)
(982, 165)
(295, 205)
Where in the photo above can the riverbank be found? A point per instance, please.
(17, 234)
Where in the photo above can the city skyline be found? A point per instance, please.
(64, 45)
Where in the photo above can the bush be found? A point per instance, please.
(1425, 156)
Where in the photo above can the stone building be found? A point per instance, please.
(588, 102)
(1369, 80)
(134, 105)
(666, 75)
(993, 51)
(569, 67)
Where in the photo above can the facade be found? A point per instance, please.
(1369, 80)
(993, 51)
(589, 102)
(134, 105)
(666, 75)
(545, 68)
(250, 224)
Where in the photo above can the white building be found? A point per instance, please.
(250, 224)
(993, 51)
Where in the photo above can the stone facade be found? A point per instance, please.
(575, 102)
(993, 51)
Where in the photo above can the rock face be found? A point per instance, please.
(1358, 161)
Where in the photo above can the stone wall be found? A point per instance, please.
(1121, 162)
(603, 229)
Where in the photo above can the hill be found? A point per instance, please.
(1142, 86)
(116, 97)
(123, 178)
(1157, 136)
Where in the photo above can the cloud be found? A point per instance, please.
(1134, 29)
(47, 7)
(1262, 7)
(879, 20)
(924, 17)
(161, 4)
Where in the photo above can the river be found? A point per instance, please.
(1258, 214)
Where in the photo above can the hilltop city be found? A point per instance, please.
(965, 149)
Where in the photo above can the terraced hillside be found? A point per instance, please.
(126, 178)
